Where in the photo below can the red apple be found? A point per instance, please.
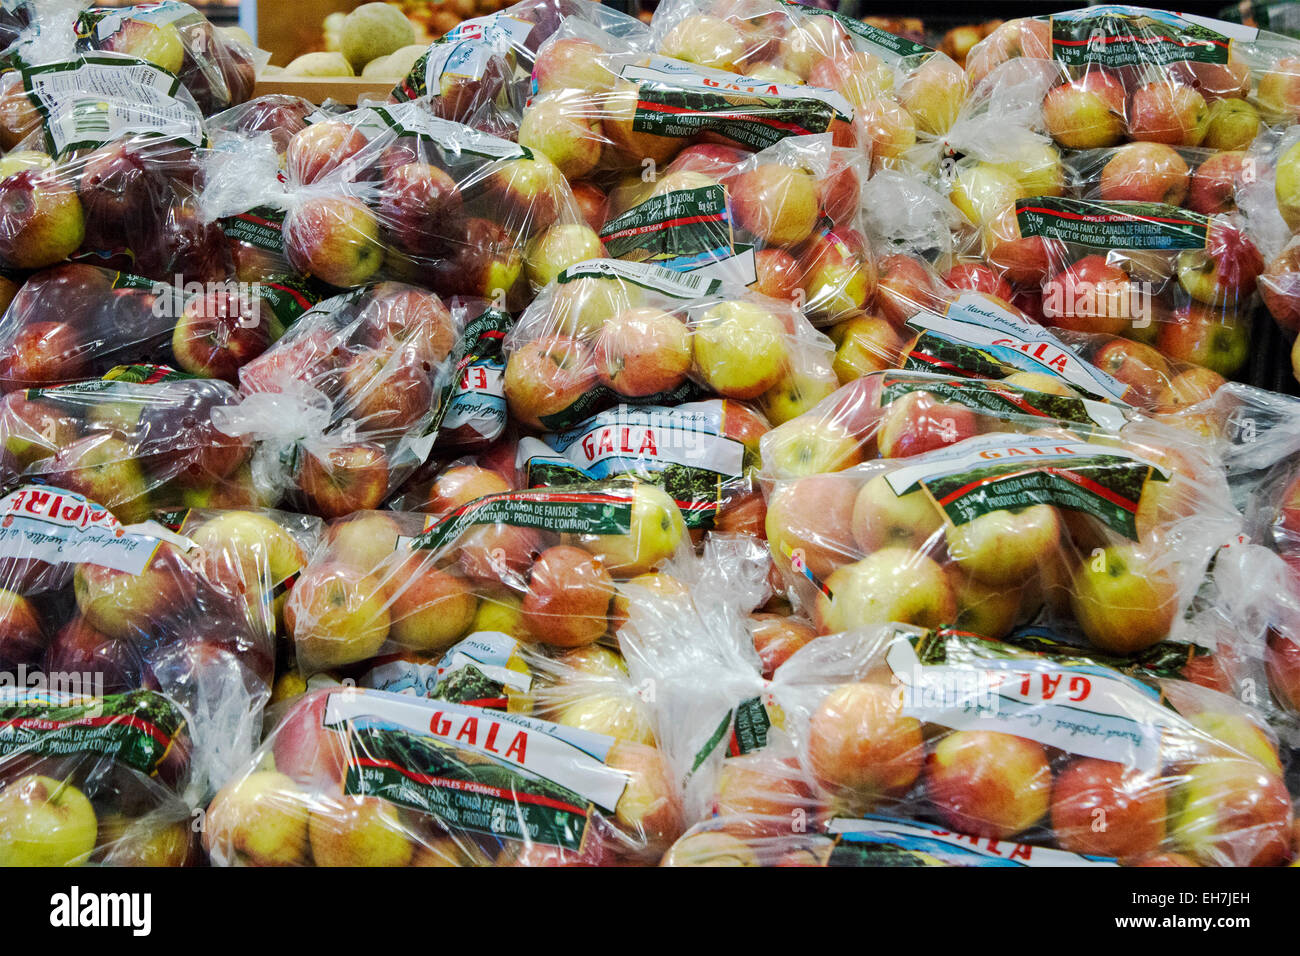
(978, 277)
(916, 423)
(1145, 172)
(345, 478)
(1102, 808)
(989, 784)
(1166, 112)
(1213, 186)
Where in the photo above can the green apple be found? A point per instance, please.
(797, 392)
(882, 518)
(740, 349)
(894, 584)
(250, 552)
(580, 307)
(983, 191)
(1241, 735)
(1233, 124)
(800, 448)
(656, 532)
(1232, 813)
(45, 823)
(1005, 546)
(1036, 166)
(559, 247)
(260, 819)
(358, 831)
(1287, 186)
(1123, 602)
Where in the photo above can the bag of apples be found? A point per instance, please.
(608, 331)
(94, 777)
(903, 413)
(1112, 74)
(785, 221)
(356, 777)
(603, 110)
(104, 171)
(190, 613)
(900, 91)
(1175, 279)
(893, 745)
(539, 565)
(479, 72)
(139, 439)
(954, 326)
(1107, 538)
(1272, 205)
(398, 192)
(348, 403)
(217, 68)
(121, 319)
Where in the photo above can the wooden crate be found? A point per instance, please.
(289, 28)
(344, 89)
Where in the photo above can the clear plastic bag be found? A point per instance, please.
(100, 608)
(104, 170)
(785, 221)
(217, 69)
(480, 71)
(537, 565)
(77, 320)
(1130, 73)
(139, 439)
(1107, 538)
(959, 327)
(901, 91)
(366, 778)
(95, 779)
(347, 404)
(896, 746)
(397, 192)
(601, 106)
(607, 331)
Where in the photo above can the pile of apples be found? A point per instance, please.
(601, 336)
(841, 743)
(227, 354)
(397, 192)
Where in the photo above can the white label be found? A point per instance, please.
(466, 50)
(167, 11)
(414, 119)
(979, 451)
(693, 76)
(499, 30)
(479, 400)
(740, 269)
(100, 101)
(977, 320)
(1082, 710)
(62, 527)
(649, 437)
(490, 652)
(957, 849)
(678, 285)
(572, 758)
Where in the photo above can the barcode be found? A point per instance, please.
(677, 284)
(90, 117)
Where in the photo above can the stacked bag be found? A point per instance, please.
(747, 438)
